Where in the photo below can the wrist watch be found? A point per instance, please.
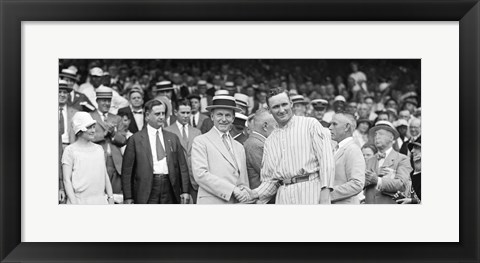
(110, 197)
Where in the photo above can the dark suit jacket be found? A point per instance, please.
(133, 128)
(390, 186)
(207, 125)
(254, 153)
(80, 102)
(137, 168)
(116, 142)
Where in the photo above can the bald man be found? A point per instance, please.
(349, 161)
(263, 125)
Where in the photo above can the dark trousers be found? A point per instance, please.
(115, 178)
(162, 192)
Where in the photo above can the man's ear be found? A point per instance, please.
(265, 126)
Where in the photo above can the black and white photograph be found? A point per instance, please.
(239, 131)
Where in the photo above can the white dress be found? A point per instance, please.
(88, 173)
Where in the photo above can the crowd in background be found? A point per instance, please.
(111, 97)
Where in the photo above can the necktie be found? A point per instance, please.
(225, 138)
(160, 150)
(61, 122)
(193, 121)
(105, 117)
(381, 156)
(184, 133)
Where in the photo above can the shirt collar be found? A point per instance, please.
(344, 141)
(180, 126)
(388, 152)
(102, 114)
(221, 133)
(152, 130)
(259, 134)
(289, 123)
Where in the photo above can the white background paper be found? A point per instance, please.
(436, 43)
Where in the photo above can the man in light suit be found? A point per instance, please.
(154, 168)
(388, 171)
(186, 133)
(218, 161)
(109, 133)
(349, 162)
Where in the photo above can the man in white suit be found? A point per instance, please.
(218, 161)
(186, 133)
(349, 162)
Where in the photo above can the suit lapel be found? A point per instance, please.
(214, 137)
(390, 159)
(98, 118)
(133, 123)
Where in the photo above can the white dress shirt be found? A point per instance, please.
(159, 167)
(195, 117)
(380, 163)
(180, 128)
(65, 137)
(138, 118)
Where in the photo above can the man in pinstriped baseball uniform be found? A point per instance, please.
(298, 161)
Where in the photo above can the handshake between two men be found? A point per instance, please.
(244, 194)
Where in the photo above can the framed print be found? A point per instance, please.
(40, 38)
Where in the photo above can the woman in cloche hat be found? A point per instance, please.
(83, 162)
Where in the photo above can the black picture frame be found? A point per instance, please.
(13, 12)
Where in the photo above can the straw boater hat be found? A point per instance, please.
(62, 84)
(229, 84)
(96, 71)
(222, 92)
(400, 122)
(319, 104)
(298, 99)
(241, 99)
(81, 120)
(223, 102)
(340, 98)
(104, 92)
(240, 119)
(201, 83)
(163, 86)
(69, 73)
(384, 125)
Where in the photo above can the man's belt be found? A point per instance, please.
(296, 179)
(159, 175)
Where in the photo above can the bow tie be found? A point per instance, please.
(381, 156)
(138, 112)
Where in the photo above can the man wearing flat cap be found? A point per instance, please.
(110, 134)
(388, 171)
(218, 161)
